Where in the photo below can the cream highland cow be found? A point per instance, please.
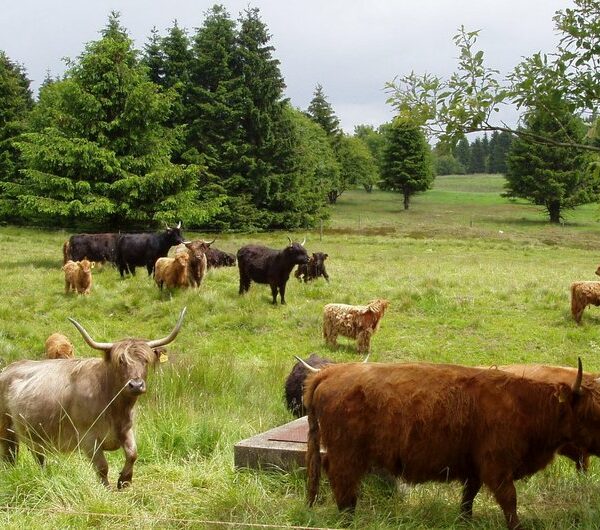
(353, 321)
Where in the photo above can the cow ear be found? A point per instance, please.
(325, 256)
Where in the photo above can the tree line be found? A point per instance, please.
(193, 127)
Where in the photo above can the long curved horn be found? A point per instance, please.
(366, 358)
(211, 242)
(308, 366)
(290, 240)
(179, 224)
(171, 337)
(577, 385)
(104, 346)
(303, 241)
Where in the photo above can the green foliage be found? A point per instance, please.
(477, 159)
(375, 141)
(98, 154)
(467, 100)
(356, 164)
(15, 103)
(556, 178)
(446, 164)
(407, 161)
(499, 147)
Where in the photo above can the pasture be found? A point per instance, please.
(472, 278)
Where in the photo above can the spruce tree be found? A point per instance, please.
(477, 157)
(98, 154)
(462, 153)
(556, 178)
(407, 161)
(15, 103)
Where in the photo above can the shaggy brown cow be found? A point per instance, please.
(57, 346)
(219, 258)
(198, 261)
(354, 321)
(78, 404)
(313, 269)
(78, 276)
(560, 374)
(294, 383)
(425, 422)
(172, 272)
(582, 295)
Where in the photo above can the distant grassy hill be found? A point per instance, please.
(464, 206)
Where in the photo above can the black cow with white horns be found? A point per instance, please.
(139, 250)
(266, 265)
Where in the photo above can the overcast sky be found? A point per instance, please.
(351, 47)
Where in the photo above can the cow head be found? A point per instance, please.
(296, 253)
(173, 235)
(128, 359)
(199, 247)
(86, 266)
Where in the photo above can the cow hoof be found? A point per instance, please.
(123, 484)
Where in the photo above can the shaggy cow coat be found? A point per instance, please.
(358, 322)
(582, 295)
(172, 272)
(57, 346)
(426, 422)
(78, 276)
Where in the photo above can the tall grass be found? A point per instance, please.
(472, 278)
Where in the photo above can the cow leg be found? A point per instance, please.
(506, 496)
(149, 268)
(579, 456)
(96, 455)
(8, 440)
(130, 449)
(282, 293)
(274, 294)
(344, 480)
(364, 341)
(471, 488)
(244, 283)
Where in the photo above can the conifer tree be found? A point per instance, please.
(407, 161)
(556, 178)
(462, 153)
(15, 103)
(98, 154)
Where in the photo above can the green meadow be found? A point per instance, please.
(472, 278)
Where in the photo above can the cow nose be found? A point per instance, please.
(136, 386)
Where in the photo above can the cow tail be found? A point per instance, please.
(66, 249)
(313, 452)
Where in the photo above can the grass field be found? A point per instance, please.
(472, 278)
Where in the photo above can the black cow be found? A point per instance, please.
(138, 250)
(218, 258)
(313, 269)
(294, 383)
(267, 265)
(94, 247)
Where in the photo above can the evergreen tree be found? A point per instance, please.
(154, 59)
(485, 146)
(98, 154)
(477, 158)
(321, 112)
(556, 178)
(462, 153)
(15, 103)
(407, 161)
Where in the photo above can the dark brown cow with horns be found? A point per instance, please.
(560, 374)
(439, 422)
(86, 404)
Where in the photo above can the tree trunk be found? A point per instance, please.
(368, 187)
(332, 196)
(554, 211)
(406, 200)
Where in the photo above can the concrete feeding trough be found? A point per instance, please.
(281, 448)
